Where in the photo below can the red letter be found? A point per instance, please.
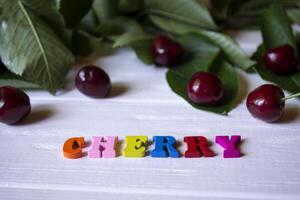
(197, 145)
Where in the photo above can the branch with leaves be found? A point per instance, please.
(40, 39)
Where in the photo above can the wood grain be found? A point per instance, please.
(32, 165)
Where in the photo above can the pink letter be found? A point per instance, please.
(229, 145)
(103, 147)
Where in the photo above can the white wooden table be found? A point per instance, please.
(32, 165)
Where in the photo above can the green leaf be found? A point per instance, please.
(252, 7)
(237, 14)
(83, 43)
(130, 6)
(276, 31)
(131, 37)
(48, 12)
(115, 27)
(289, 83)
(89, 23)
(296, 79)
(199, 56)
(142, 50)
(276, 28)
(230, 48)
(186, 11)
(205, 57)
(228, 9)
(10, 79)
(30, 48)
(294, 15)
(140, 42)
(105, 9)
(143, 53)
(74, 11)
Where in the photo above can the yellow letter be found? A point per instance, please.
(135, 146)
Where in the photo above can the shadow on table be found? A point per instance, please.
(87, 144)
(118, 89)
(243, 89)
(291, 113)
(118, 147)
(239, 146)
(38, 114)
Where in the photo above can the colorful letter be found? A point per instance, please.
(229, 145)
(164, 147)
(135, 146)
(197, 145)
(103, 147)
(73, 147)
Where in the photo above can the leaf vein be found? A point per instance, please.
(29, 20)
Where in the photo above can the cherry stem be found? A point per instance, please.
(291, 97)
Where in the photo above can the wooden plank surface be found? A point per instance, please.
(32, 165)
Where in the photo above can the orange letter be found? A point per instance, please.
(73, 147)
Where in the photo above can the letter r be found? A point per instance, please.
(164, 147)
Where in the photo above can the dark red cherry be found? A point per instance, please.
(93, 82)
(281, 60)
(14, 105)
(166, 51)
(265, 103)
(205, 88)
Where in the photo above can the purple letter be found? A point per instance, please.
(229, 145)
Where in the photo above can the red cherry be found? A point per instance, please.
(166, 51)
(14, 105)
(93, 82)
(281, 60)
(205, 88)
(265, 103)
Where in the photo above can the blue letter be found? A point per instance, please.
(164, 147)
